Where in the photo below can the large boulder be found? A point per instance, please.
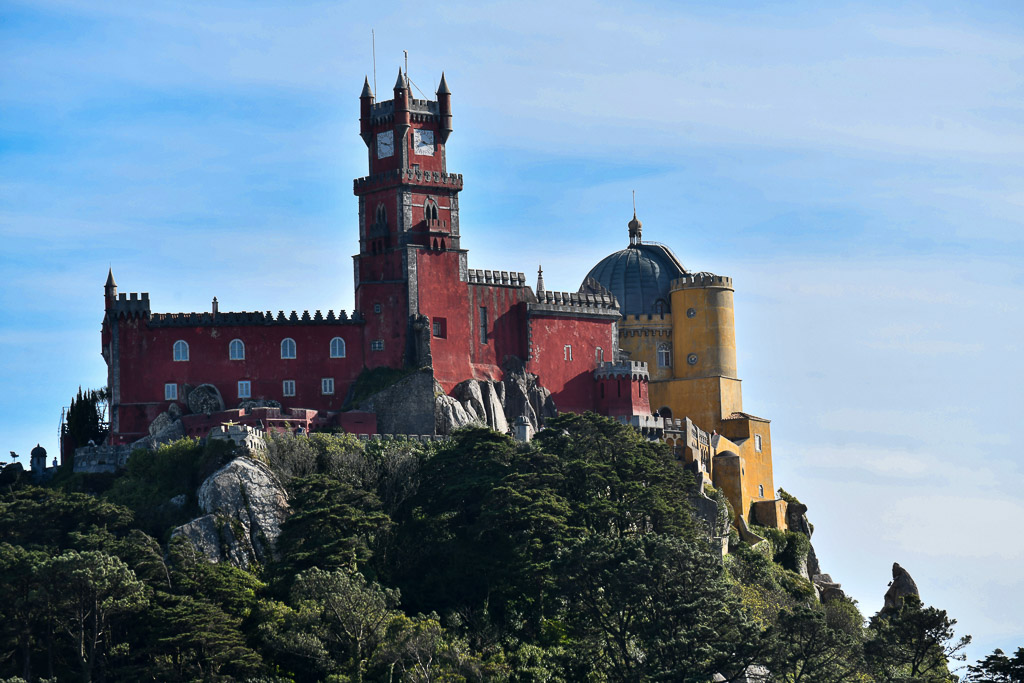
(900, 587)
(796, 518)
(469, 395)
(450, 415)
(245, 506)
(407, 406)
(524, 396)
(204, 399)
(492, 405)
(827, 588)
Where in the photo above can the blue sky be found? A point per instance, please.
(856, 168)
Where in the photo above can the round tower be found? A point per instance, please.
(704, 338)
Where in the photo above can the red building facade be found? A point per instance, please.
(418, 305)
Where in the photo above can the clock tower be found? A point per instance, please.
(408, 214)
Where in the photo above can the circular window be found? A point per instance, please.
(692, 359)
(691, 312)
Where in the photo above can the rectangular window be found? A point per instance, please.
(244, 389)
(376, 308)
(483, 324)
(327, 385)
(757, 442)
(377, 345)
(760, 490)
(170, 392)
(567, 352)
(288, 387)
(441, 328)
(599, 355)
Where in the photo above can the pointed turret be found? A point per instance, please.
(110, 289)
(635, 229)
(540, 279)
(366, 112)
(403, 119)
(444, 109)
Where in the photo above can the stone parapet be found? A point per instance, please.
(702, 280)
(410, 176)
(627, 369)
(496, 277)
(131, 305)
(97, 459)
(254, 318)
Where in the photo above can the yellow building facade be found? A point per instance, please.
(682, 324)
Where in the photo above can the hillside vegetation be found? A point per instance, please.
(574, 558)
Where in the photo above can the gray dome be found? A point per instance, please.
(639, 276)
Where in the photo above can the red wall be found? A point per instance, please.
(571, 383)
(147, 363)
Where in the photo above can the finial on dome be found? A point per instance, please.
(635, 226)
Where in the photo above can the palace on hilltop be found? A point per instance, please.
(434, 344)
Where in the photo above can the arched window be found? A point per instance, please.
(288, 348)
(236, 350)
(337, 348)
(180, 350)
(665, 412)
(430, 211)
(599, 355)
(382, 215)
(664, 355)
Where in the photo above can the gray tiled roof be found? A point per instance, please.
(639, 276)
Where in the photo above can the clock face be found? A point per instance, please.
(423, 142)
(385, 144)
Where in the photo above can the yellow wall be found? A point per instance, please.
(641, 335)
(705, 327)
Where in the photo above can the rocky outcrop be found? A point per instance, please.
(165, 428)
(204, 399)
(900, 587)
(245, 506)
(827, 588)
(796, 518)
(495, 404)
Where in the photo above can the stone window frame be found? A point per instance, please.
(170, 391)
(180, 351)
(599, 355)
(327, 386)
(757, 443)
(664, 353)
(288, 387)
(289, 351)
(760, 490)
(244, 388)
(337, 348)
(236, 349)
(567, 353)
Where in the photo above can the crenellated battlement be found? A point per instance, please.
(634, 370)
(254, 318)
(701, 280)
(577, 299)
(648, 320)
(407, 175)
(496, 277)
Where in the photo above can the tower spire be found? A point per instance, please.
(635, 226)
(540, 278)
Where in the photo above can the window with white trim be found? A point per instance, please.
(181, 350)
(327, 385)
(288, 387)
(288, 348)
(337, 348)
(377, 345)
(757, 442)
(236, 350)
(170, 392)
(245, 389)
(567, 352)
(599, 355)
(664, 355)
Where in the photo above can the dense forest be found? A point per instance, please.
(573, 558)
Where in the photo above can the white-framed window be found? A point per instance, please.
(757, 442)
(760, 490)
(288, 348)
(599, 355)
(337, 348)
(245, 389)
(327, 385)
(377, 345)
(171, 392)
(236, 350)
(567, 352)
(181, 350)
(288, 387)
(664, 355)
